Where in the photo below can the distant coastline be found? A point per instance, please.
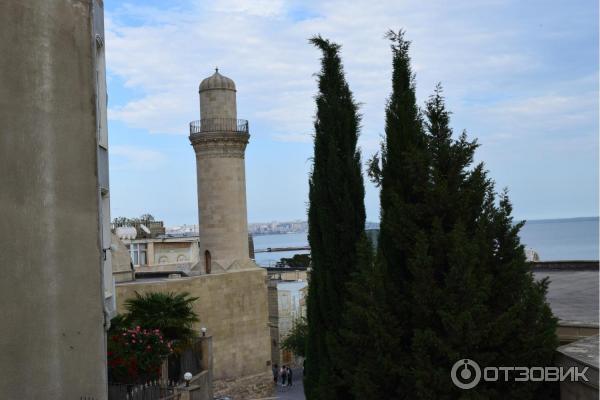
(559, 220)
(375, 225)
(560, 239)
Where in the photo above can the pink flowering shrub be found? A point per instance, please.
(135, 355)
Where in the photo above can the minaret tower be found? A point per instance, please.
(219, 140)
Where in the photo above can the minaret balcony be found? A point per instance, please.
(210, 125)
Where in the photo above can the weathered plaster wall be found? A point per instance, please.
(233, 307)
(52, 341)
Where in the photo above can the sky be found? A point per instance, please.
(520, 76)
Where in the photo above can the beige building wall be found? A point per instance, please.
(233, 307)
(166, 254)
(175, 252)
(54, 186)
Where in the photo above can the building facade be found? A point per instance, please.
(57, 289)
(164, 254)
(287, 306)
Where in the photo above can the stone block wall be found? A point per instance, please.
(233, 307)
(218, 103)
(221, 179)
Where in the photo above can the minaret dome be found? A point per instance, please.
(217, 100)
(217, 81)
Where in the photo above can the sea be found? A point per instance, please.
(552, 239)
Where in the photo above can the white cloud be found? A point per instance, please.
(294, 137)
(265, 8)
(508, 72)
(159, 113)
(548, 117)
(136, 157)
(263, 46)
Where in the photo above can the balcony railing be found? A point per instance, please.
(218, 125)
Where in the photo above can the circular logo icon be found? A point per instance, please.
(465, 374)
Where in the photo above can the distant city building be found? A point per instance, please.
(153, 251)
(176, 251)
(261, 228)
(287, 305)
(143, 229)
(163, 254)
(182, 230)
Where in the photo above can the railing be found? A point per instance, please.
(188, 360)
(154, 390)
(218, 125)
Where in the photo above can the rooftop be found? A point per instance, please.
(573, 295)
(584, 351)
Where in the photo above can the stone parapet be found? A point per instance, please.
(581, 354)
(220, 144)
(566, 265)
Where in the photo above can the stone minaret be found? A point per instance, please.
(219, 140)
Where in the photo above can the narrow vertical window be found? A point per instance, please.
(207, 261)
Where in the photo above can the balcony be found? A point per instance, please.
(210, 125)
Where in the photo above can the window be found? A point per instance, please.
(138, 253)
(207, 261)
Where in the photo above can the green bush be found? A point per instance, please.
(296, 340)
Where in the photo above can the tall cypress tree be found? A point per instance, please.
(336, 218)
(378, 317)
(450, 279)
(403, 176)
(404, 185)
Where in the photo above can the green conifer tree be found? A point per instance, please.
(336, 218)
(482, 302)
(404, 185)
(450, 279)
